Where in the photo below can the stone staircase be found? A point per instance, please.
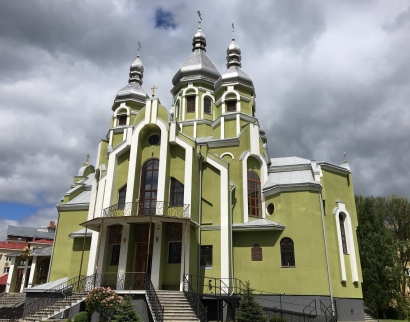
(57, 308)
(176, 307)
(11, 299)
(369, 318)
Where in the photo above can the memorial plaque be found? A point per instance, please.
(256, 253)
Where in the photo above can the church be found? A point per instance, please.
(190, 196)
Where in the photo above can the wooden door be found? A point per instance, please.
(142, 267)
(19, 281)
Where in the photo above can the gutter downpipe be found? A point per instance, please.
(201, 158)
(326, 252)
(231, 218)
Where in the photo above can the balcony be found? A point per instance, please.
(147, 208)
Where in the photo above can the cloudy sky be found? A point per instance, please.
(330, 77)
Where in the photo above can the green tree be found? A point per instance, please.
(381, 248)
(104, 301)
(249, 309)
(126, 312)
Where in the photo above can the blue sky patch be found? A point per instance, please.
(164, 19)
(16, 211)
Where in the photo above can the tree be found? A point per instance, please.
(384, 226)
(126, 312)
(249, 309)
(104, 301)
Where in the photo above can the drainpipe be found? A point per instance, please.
(326, 252)
(201, 158)
(231, 218)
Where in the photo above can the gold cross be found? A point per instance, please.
(153, 88)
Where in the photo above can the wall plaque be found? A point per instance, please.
(256, 253)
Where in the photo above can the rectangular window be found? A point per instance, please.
(174, 252)
(176, 193)
(1, 256)
(6, 270)
(8, 258)
(122, 120)
(206, 256)
(190, 104)
(22, 262)
(115, 255)
(230, 106)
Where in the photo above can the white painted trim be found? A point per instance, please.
(32, 271)
(194, 130)
(227, 153)
(188, 171)
(185, 243)
(341, 208)
(207, 94)
(162, 171)
(148, 111)
(238, 124)
(230, 91)
(125, 241)
(222, 128)
(224, 210)
(93, 252)
(111, 137)
(154, 111)
(11, 273)
(156, 255)
(103, 250)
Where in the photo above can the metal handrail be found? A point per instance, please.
(330, 311)
(156, 308)
(194, 301)
(147, 208)
(218, 285)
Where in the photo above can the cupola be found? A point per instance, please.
(133, 91)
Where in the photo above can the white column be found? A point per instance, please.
(122, 263)
(93, 253)
(33, 269)
(156, 255)
(103, 247)
(186, 235)
(11, 272)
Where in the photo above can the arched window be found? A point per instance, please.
(343, 233)
(207, 105)
(254, 194)
(149, 187)
(190, 104)
(176, 193)
(287, 252)
(121, 197)
(230, 106)
(43, 271)
(177, 110)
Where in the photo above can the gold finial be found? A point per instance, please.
(139, 48)
(344, 154)
(153, 88)
(26, 250)
(199, 18)
(88, 158)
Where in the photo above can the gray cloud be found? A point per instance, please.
(329, 78)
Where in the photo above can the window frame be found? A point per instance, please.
(207, 99)
(343, 233)
(115, 254)
(176, 191)
(190, 103)
(122, 119)
(254, 194)
(8, 258)
(169, 252)
(177, 107)
(231, 105)
(6, 270)
(209, 255)
(287, 253)
(122, 195)
(150, 171)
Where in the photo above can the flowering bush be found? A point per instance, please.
(104, 301)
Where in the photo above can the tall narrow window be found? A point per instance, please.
(121, 197)
(254, 194)
(122, 120)
(230, 106)
(343, 233)
(206, 256)
(207, 105)
(149, 187)
(287, 252)
(176, 193)
(177, 110)
(190, 104)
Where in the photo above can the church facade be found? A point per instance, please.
(191, 192)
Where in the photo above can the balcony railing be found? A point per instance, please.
(147, 208)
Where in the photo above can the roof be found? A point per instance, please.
(289, 177)
(233, 75)
(83, 197)
(258, 225)
(80, 233)
(42, 241)
(46, 286)
(133, 91)
(29, 232)
(3, 279)
(12, 245)
(277, 162)
(42, 251)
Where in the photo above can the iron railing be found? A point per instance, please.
(194, 301)
(147, 208)
(216, 286)
(330, 311)
(157, 309)
(121, 281)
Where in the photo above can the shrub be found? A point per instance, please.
(104, 301)
(69, 320)
(81, 317)
(126, 312)
(277, 319)
(249, 309)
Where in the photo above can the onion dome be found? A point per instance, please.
(133, 91)
(198, 66)
(234, 74)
